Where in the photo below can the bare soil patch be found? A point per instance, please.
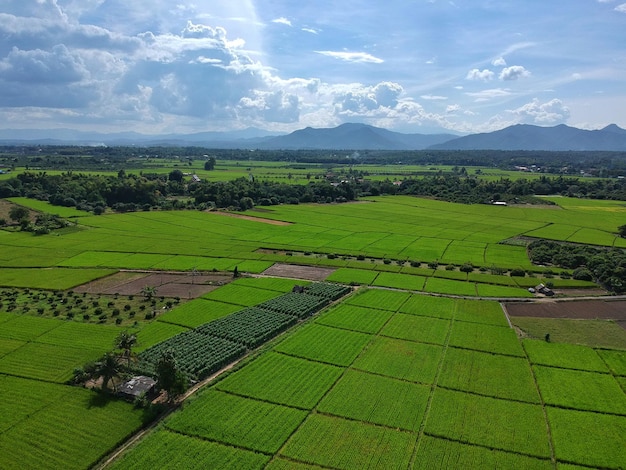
(185, 286)
(310, 273)
(252, 218)
(580, 309)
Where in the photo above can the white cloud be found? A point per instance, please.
(483, 75)
(433, 97)
(311, 30)
(550, 112)
(486, 95)
(514, 72)
(282, 20)
(453, 108)
(621, 8)
(499, 62)
(360, 57)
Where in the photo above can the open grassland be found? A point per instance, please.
(388, 379)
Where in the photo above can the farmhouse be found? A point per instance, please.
(137, 386)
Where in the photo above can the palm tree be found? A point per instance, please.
(107, 367)
(125, 341)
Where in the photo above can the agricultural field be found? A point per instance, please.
(443, 380)
(389, 379)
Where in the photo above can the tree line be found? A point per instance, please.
(96, 193)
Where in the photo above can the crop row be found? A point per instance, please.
(211, 346)
(197, 354)
(327, 290)
(250, 327)
(297, 305)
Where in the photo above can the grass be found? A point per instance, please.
(353, 276)
(430, 306)
(569, 356)
(489, 422)
(352, 317)
(372, 404)
(487, 338)
(442, 454)
(163, 448)
(593, 333)
(416, 328)
(616, 360)
(241, 295)
(324, 344)
(283, 380)
(237, 421)
(406, 360)
(488, 374)
(73, 429)
(591, 439)
(198, 312)
(340, 443)
(580, 390)
(50, 278)
(379, 299)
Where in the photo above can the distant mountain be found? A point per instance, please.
(241, 138)
(354, 137)
(344, 137)
(528, 137)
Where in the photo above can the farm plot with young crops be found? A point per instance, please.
(488, 374)
(238, 421)
(564, 355)
(324, 344)
(353, 317)
(341, 443)
(581, 390)
(49, 278)
(489, 422)
(379, 299)
(283, 380)
(585, 438)
(417, 328)
(441, 454)
(406, 360)
(56, 426)
(197, 312)
(372, 403)
(162, 447)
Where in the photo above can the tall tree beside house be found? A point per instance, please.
(125, 342)
(107, 367)
(209, 165)
(169, 377)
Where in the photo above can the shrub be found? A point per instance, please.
(582, 274)
(517, 272)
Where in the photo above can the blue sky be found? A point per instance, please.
(423, 66)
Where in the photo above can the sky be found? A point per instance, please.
(415, 66)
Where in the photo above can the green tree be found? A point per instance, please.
(176, 175)
(209, 165)
(149, 292)
(169, 377)
(107, 367)
(18, 213)
(125, 342)
(622, 231)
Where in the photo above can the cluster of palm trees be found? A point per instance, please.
(111, 364)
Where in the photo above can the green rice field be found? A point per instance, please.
(416, 368)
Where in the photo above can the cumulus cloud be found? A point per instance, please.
(550, 112)
(360, 57)
(621, 8)
(514, 72)
(276, 106)
(433, 97)
(499, 62)
(476, 74)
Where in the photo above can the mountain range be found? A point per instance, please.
(344, 137)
